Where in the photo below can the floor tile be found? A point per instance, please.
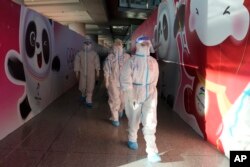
(22, 159)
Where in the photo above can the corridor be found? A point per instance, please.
(67, 134)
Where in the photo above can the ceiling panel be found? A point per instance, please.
(59, 8)
(101, 17)
(85, 11)
(96, 10)
(76, 16)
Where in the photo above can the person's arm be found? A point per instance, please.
(126, 56)
(126, 76)
(97, 65)
(106, 71)
(77, 65)
(156, 72)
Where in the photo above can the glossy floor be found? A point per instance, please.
(67, 134)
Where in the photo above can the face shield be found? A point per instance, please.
(87, 45)
(143, 46)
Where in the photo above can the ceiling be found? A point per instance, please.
(109, 19)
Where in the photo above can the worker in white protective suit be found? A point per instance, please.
(112, 68)
(138, 79)
(87, 69)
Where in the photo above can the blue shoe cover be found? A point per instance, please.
(83, 98)
(89, 105)
(132, 145)
(154, 158)
(116, 123)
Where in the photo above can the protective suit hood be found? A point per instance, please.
(143, 46)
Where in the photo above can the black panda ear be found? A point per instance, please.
(56, 65)
(51, 21)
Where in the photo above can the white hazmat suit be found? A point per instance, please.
(112, 68)
(138, 79)
(86, 63)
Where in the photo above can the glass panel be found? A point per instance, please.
(140, 4)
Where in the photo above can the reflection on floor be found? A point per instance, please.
(67, 134)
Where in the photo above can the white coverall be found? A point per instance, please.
(86, 62)
(112, 67)
(138, 79)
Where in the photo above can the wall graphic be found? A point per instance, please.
(205, 47)
(37, 57)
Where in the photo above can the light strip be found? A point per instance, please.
(48, 2)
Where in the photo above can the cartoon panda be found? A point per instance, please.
(32, 66)
(167, 51)
(215, 20)
(164, 33)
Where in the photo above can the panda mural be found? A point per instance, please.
(225, 23)
(33, 65)
(215, 20)
(167, 51)
(164, 33)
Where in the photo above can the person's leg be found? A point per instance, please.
(122, 104)
(83, 92)
(90, 89)
(149, 122)
(82, 88)
(114, 103)
(134, 119)
(89, 94)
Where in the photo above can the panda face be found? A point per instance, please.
(215, 20)
(164, 32)
(163, 28)
(37, 46)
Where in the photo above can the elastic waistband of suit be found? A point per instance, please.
(140, 84)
